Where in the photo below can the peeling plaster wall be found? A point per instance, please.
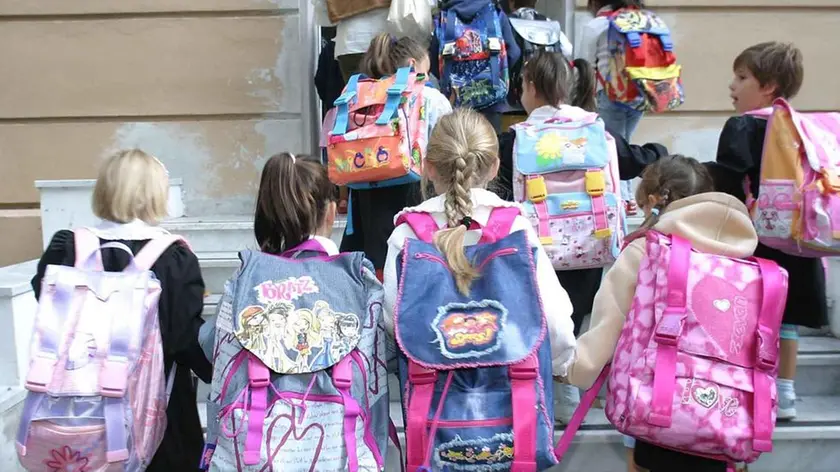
(212, 88)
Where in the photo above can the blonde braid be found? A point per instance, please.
(463, 149)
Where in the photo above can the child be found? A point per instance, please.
(526, 10)
(762, 73)
(130, 197)
(462, 158)
(316, 317)
(467, 11)
(549, 83)
(372, 211)
(676, 196)
(593, 47)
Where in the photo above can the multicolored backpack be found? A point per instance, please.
(473, 58)
(96, 395)
(643, 70)
(798, 205)
(299, 379)
(696, 363)
(475, 371)
(380, 133)
(565, 173)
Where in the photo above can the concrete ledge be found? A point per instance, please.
(66, 204)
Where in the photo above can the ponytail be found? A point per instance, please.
(291, 202)
(583, 93)
(463, 150)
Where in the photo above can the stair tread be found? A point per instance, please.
(227, 222)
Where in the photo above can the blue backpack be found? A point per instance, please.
(473, 58)
(475, 371)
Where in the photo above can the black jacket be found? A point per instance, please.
(739, 155)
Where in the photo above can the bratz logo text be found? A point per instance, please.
(285, 290)
(739, 327)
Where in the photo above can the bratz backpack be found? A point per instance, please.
(299, 380)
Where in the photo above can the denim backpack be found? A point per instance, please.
(473, 58)
(299, 380)
(475, 371)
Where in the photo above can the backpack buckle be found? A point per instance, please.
(40, 373)
(448, 49)
(535, 189)
(344, 98)
(494, 45)
(602, 233)
(258, 374)
(670, 327)
(114, 377)
(767, 349)
(595, 183)
(525, 370)
(419, 375)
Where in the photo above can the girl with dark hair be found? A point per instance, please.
(295, 202)
(550, 85)
(677, 196)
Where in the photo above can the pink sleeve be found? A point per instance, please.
(329, 122)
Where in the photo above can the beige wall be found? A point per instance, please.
(213, 87)
(708, 34)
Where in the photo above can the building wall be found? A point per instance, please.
(212, 87)
(708, 35)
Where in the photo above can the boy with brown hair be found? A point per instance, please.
(763, 73)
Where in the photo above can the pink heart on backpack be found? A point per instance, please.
(727, 318)
(292, 432)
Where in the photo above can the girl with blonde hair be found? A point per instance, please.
(462, 158)
(130, 197)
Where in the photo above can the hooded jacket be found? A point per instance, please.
(466, 11)
(715, 223)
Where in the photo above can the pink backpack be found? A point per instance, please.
(695, 367)
(97, 395)
(798, 206)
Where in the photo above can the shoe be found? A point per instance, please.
(631, 208)
(786, 410)
(566, 401)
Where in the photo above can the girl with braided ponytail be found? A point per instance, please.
(462, 158)
(677, 196)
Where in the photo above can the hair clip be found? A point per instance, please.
(654, 211)
(467, 222)
(294, 159)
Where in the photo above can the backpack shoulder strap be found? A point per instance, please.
(423, 225)
(499, 224)
(86, 243)
(150, 253)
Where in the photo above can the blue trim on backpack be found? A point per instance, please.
(342, 114)
(395, 92)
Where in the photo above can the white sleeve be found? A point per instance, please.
(389, 275)
(556, 304)
(437, 106)
(587, 46)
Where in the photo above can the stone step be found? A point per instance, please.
(220, 234)
(810, 443)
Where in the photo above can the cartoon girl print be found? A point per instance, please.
(251, 329)
(347, 327)
(278, 316)
(303, 332)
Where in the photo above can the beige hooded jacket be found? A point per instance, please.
(715, 223)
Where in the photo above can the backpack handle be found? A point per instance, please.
(308, 245)
(497, 227)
